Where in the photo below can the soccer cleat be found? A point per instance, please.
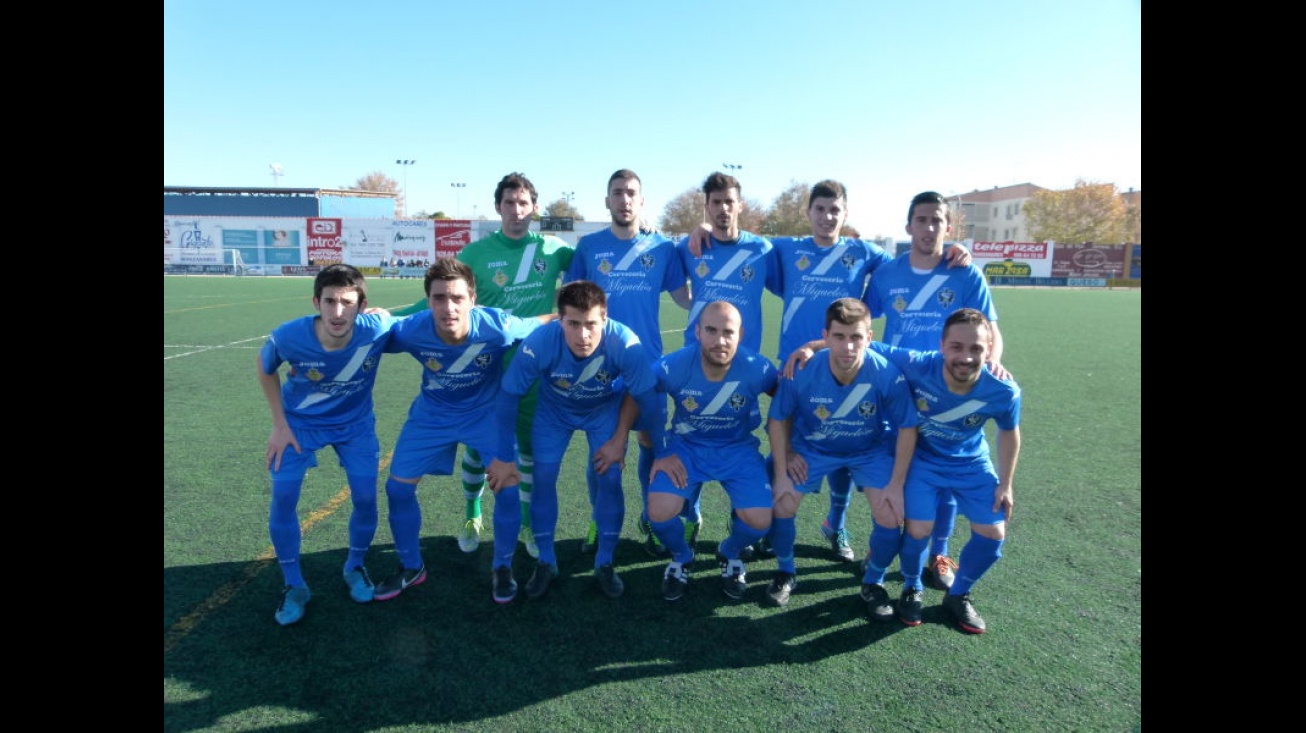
(590, 544)
(782, 585)
(653, 546)
(762, 549)
(528, 539)
(938, 573)
(609, 582)
(470, 538)
(964, 612)
(675, 581)
(909, 606)
(397, 583)
(504, 586)
(293, 602)
(360, 585)
(877, 601)
(734, 580)
(838, 539)
(540, 580)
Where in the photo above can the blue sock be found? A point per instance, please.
(507, 524)
(610, 513)
(841, 487)
(544, 510)
(945, 522)
(363, 520)
(645, 468)
(283, 528)
(405, 522)
(977, 557)
(884, 545)
(672, 534)
(784, 533)
(741, 536)
(913, 560)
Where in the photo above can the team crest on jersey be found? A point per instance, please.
(899, 304)
(499, 278)
(689, 403)
(540, 266)
(973, 421)
(849, 260)
(562, 383)
(922, 405)
(821, 412)
(314, 374)
(746, 273)
(946, 297)
(605, 266)
(737, 401)
(603, 376)
(484, 360)
(647, 261)
(866, 409)
(803, 263)
(433, 364)
(370, 363)
(702, 270)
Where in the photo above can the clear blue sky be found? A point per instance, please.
(892, 98)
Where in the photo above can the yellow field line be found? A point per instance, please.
(228, 591)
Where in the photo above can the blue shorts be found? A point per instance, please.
(741, 471)
(551, 429)
(356, 445)
(869, 470)
(427, 448)
(973, 486)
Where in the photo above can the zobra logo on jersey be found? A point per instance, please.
(737, 401)
(540, 266)
(866, 409)
(746, 273)
(646, 260)
(946, 296)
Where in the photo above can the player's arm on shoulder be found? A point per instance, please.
(798, 359)
(957, 255)
(700, 239)
(682, 297)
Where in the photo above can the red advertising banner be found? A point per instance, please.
(325, 244)
(1012, 259)
(451, 235)
(1089, 260)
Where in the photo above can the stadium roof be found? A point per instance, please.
(278, 191)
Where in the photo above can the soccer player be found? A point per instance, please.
(715, 385)
(325, 400)
(814, 271)
(584, 365)
(957, 394)
(517, 270)
(634, 268)
(461, 349)
(831, 417)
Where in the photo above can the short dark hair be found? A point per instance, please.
(339, 275)
(447, 269)
(828, 188)
(514, 180)
(719, 181)
(967, 316)
(848, 311)
(583, 295)
(928, 197)
(622, 175)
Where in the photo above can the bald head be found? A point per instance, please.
(719, 329)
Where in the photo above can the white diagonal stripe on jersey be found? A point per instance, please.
(851, 401)
(960, 411)
(828, 261)
(527, 261)
(461, 363)
(927, 292)
(591, 369)
(734, 263)
(694, 310)
(722, 396)
(312, 399)
(633, 255)
(355, 363)
(790, 312)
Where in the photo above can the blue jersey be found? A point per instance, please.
(580, 386)
(916, 305)
(714, 415)
(951, 431)
(459, 381)
(634, 273)
(845, 420)
(327, 389)
(811, 277)
(737, 272)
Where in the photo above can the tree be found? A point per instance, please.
(563, 208)
(1089, 212)
(378, 181)
(788, 214)
(1134, 218)
(683, 213)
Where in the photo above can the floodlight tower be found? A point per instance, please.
(277, 173)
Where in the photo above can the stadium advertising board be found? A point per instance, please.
(325, 243)
(1089, 260)
(451, 235)
(1012, 259)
